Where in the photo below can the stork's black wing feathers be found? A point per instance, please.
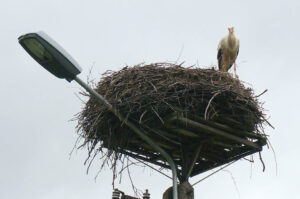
(219, 57)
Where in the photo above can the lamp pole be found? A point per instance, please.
(137, 130)
(57, 61)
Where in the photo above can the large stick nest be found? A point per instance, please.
(149, 95)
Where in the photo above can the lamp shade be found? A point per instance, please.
(50, 55)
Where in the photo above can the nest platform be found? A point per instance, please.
(202, 117)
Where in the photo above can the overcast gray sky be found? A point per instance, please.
(36, 135)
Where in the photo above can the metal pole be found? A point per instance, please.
(137, 130)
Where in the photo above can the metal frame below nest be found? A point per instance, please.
(201, 145)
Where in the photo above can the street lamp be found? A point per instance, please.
(57, 61)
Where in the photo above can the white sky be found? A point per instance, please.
(36, 136)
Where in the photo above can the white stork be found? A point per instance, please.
(228, 51)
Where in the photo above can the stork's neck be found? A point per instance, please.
(231, 40)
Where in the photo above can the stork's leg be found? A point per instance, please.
(234, 68)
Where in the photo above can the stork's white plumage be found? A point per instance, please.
(228, 51)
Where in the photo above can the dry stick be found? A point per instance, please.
(251, 161)
(141, 117)
(75, 145)
(120, 174)
(268, 122)
(135, 190)
(262, 161)
(101, 167)
(88, 168)
(213, 173)
(196, 155)
(157, 115)
(161, 134)
(82, 101)
(205, 113)
(261, 93)
(181, 50)
(234, 182)
(90, 151)
(145, 159)
(251, 166)
(128, 165)
(90, 73)
(218, 132)
(274, 156)
(226, 128)
(153, 86)
(153, 168)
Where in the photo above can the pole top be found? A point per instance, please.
(146, 195)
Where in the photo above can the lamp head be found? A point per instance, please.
(50, 55)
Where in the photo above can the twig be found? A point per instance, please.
(75, 146)
(262, 161)
(214, 173)
(128, 165)
(181, 50)
(276, 165)
(135, 190)
(251, 161)
(91, 161)
(153, 86)
(82, 101)
(268, 122)
(251, 166)
(162, 121)
(205, 113)
(153, 168)
(141, 117)
(261, 93)
(234, 182)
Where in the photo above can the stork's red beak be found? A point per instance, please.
(231, 29)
